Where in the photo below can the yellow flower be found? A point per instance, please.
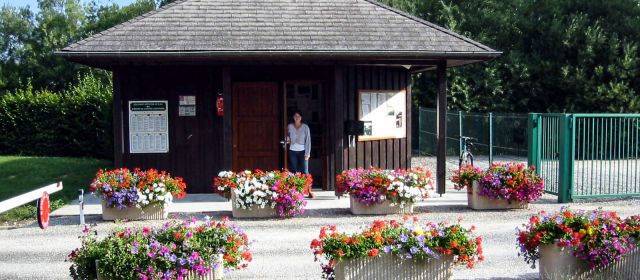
(582, 231)
(590, 231)
(419, 231)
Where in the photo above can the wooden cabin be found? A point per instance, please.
(202, 86)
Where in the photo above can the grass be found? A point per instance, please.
(19, 175)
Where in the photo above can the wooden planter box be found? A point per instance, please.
(478, 202)
(253, 212)
(216, 273)
(555, 263)
(381, 208)
(151, 212)
(388, 266)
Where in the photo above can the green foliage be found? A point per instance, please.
(19, 175)
(76, 122)
(559, 55)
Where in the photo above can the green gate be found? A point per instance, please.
(586, 155)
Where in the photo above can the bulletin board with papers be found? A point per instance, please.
(148, 127)
(383, 113)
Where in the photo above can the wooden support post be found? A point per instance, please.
(441, 170)
(226, 122)
(336, 112)
(118, 125)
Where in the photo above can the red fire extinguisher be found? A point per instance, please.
(220, 105)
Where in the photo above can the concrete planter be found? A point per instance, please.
(151, 212)
(253, 212)
(216, 273)
(381, 208)
(559, 263)
(390, 267)
(478, 202)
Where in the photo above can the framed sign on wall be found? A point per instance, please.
(148, 127)
(383, 113)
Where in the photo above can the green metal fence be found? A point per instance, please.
(500, 136)
(586, 155)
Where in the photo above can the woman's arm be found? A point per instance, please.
(307, 143)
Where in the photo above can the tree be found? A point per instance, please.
(559, 55)
(28, 41)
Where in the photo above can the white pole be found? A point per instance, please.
(28, 197)
(81, 199)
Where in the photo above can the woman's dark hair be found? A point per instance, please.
(294, 112)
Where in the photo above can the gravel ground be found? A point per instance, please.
(281, 247)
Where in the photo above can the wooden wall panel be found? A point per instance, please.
(195, 148)
(391, 153)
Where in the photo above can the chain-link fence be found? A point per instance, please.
(500, 136)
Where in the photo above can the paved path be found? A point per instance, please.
(281, 247)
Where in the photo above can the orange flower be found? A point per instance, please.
(177, 235)
(373, 252)
(340, 253)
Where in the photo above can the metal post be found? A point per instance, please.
(420, 137)
(441, 169)
(533, 155)
(565, 176)
(81, 200)
(460, 130)
(490, 138)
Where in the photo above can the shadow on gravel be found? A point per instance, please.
(458, 209)
(532, 275)
(328, 212)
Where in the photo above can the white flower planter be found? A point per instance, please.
(478, 202)
(216, 273)
(559, 263)
(390, 267)
(381, 208)
(151, 212)
(253, 212)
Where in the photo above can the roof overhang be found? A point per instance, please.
(108, 60)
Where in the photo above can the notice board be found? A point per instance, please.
(383, 113)
(148, 127)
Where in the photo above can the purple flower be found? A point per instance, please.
(413, 250)
(403, 238)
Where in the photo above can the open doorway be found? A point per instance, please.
(307, 97)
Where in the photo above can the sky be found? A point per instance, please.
(34, 3)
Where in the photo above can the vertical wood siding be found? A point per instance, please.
(195, 143)
(391, 153)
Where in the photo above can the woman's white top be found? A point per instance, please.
(300, 138)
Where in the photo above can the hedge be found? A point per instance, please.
(74, 123)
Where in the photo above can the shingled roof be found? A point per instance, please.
(228, 28)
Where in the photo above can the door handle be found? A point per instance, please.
(284, 144)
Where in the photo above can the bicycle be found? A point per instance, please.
(466, 156)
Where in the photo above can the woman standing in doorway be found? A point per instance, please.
(299, 139)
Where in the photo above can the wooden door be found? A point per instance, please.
(256, 126)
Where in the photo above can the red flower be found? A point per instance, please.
(246, 255)
(177, 235)
(373, 252)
